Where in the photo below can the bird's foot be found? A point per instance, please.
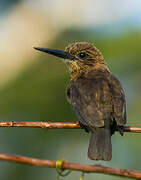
(120, 130)
(84, 127)
(113, 127)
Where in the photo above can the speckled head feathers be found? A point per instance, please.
(76, 48)
(86, 57)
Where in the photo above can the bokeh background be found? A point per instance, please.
(32, 84)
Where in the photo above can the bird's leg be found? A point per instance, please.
(120, 130)
(84, 127)
(113, 127)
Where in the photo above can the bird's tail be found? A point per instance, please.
(100, 147)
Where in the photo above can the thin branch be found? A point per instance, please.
(39, 124)
(56, 125)
(72, 166)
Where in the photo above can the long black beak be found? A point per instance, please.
(55, 52)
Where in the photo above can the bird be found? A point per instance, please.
(96, 96)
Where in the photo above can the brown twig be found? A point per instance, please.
(72, 166)
(56, 125)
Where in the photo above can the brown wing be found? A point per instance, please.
(118, 101)
(91, 100)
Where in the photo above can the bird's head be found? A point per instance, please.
(79, 56)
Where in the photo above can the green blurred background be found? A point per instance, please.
(32, 84)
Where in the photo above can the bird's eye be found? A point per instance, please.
(82, 55)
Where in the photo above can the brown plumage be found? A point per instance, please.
(96, 96)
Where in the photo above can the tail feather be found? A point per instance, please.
(100, 147)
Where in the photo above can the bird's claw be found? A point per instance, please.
(84, 127)
(120, 130)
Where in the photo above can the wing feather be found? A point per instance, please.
(91, 100)
(119, 102)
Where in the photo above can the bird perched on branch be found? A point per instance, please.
(95, 94)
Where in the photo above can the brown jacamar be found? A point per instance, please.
(95, 94)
